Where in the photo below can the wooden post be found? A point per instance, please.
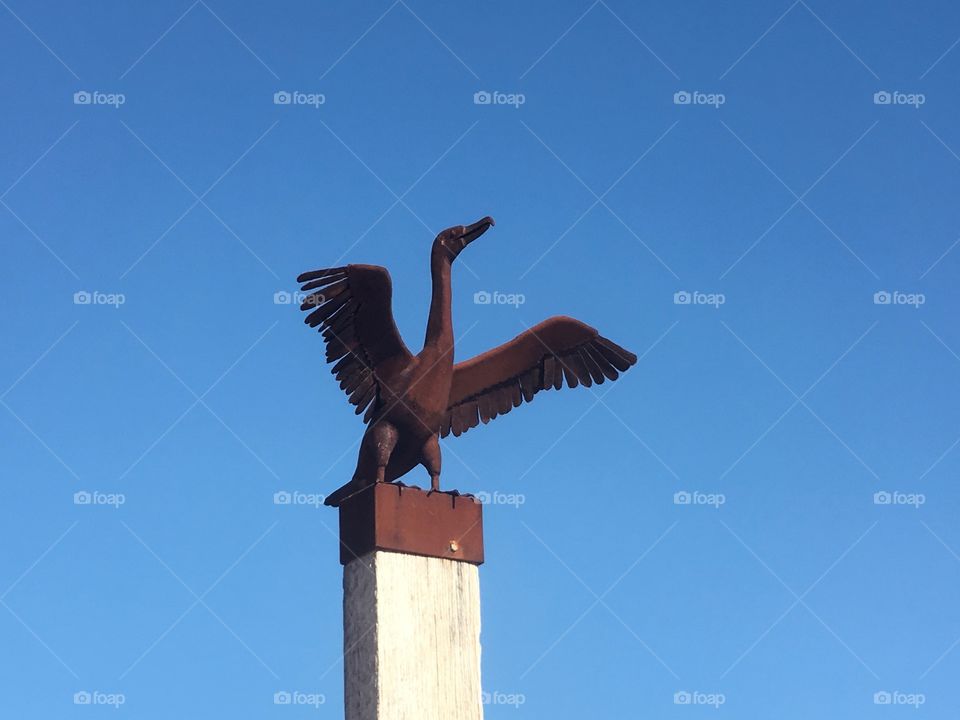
(411, 605)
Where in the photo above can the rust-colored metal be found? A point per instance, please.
(400, 518)
(413, 400)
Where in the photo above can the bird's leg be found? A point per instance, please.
(384, 441)
(430, 457)
(376, 447)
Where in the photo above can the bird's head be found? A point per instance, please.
(453, 240)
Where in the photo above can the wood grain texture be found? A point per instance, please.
(411, 638)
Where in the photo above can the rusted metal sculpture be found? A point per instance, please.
(413, 400)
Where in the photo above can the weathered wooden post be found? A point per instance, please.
(411, 604)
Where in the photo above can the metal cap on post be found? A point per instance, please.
(398, 518)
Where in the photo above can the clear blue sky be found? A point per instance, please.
(794, 200)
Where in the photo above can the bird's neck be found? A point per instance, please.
(440, 320)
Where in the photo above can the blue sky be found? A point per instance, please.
(780, 200)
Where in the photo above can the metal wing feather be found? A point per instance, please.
(352, 308)
(558, 349)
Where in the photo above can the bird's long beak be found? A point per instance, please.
(472, 232)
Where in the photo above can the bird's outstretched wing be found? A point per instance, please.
(541, 358)
(351, 306)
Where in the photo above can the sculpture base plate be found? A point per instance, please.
(405, 519)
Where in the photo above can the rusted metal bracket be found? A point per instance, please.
(404, 519)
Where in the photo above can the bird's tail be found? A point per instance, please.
(342, 493)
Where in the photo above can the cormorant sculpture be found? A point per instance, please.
(413, 400)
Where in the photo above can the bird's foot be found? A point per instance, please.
(451, 493)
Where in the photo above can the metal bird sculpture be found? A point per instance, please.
(413, 400)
